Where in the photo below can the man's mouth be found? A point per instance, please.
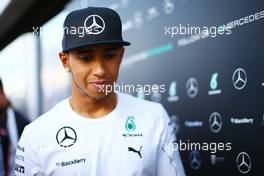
(100, 85)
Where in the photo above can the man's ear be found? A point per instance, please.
(122, 51)
(64, 57)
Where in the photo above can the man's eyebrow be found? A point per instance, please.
(111, 49)
(84, 51)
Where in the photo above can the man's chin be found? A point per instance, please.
(99, 95)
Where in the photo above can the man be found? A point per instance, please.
(12, 124)
(94, 132)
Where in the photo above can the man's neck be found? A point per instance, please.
(90, 108)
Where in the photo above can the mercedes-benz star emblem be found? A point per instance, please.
(239, 78)
(192, 87)
(262, 120)
(215, 122)
(195, 160)
(66, 136)
(174, 124)
(168, 6)
(243, 162)
(94, 24)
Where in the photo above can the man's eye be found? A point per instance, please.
(85, 57)
(110, 55)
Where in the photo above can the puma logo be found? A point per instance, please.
(130, 149)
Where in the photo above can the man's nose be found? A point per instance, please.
(99, 67)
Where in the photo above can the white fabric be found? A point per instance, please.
(131, 140)
(13, 137)
(11, 127)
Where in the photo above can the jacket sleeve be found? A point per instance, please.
(169, 162)
(26, 163)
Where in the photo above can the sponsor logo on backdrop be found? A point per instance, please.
(168, 6)
(192, 124)
(174, 124)
(195, 160)
(214, 85)
(241, 120)
(141, 95)
(138, 20)
(243, 162)
(216, 159)
(152, 13)
(239, 78)
(262, 119)
(215, 122)
(156, 96)
(192, 87)
(173, 92)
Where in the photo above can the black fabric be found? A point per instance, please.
(21, 122)
(92, 25)
(4, 137)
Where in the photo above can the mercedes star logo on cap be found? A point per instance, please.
(94, 24)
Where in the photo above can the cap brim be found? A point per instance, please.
(123, 43)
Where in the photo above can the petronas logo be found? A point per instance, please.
(130, 125)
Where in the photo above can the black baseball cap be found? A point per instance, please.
(90, 26)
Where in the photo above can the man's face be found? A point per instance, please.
(93, 68)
